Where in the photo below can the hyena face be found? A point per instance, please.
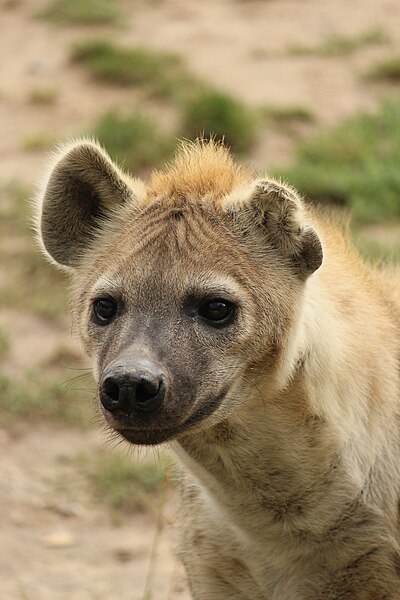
(184, 296)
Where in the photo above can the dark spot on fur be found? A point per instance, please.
(176, 214)
(223, 434)
(198, 538)
(190, 493)
(285, 509)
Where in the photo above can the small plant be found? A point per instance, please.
(159, 73)
(82, 12)
(339, 45)
(215, 114)
(28, 282)
(4, 344)
(125, 485)
(355, 165)
(35, 142)
(287, 114)
(133, 140)
(36, 399)
(386, 70)
(43, 96)
(376, 251)
(13, 208)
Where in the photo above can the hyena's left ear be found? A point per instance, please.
(82, 194)
(271, 214)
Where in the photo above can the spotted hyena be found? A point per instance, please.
(228, 318)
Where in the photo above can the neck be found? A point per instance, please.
(299, 455)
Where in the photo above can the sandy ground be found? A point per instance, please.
(55, 542)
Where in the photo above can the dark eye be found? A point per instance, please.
(217, 310)
(104, 310)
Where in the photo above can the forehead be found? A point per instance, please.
(173, 246)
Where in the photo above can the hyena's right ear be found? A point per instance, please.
(271, 215)
(83, 190)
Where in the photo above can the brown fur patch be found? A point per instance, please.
(201, 170)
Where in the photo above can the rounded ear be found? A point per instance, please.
(272, 213)
(83, 189)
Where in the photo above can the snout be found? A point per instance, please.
(147, 403)
(139, 390)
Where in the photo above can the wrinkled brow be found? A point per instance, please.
(111, 284)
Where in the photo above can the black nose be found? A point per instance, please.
(131, 392)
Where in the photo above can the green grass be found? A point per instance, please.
(29, 282)
(14, 208)
(340, 45)
(375, 251)
(126, 485)
(133, 140)
(35, 142)
(355, 165)
(378, 243)
(43, 96)
(82, 12)
(4, 344)
(211, 113)
(34, 398)
(386, 70)
(287, 114)
(161, 74)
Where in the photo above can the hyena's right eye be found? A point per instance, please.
(217, 311)
(104, 310)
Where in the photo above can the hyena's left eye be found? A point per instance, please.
(104, 310)
(217, 311)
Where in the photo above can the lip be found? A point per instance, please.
(153, 436)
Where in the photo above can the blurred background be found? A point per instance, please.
(305, 89)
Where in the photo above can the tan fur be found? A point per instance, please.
(201, 171)
(291, 482)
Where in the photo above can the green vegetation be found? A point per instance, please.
(379, 243)
(339, 45)
(133, 140)
(355, 165)
(160, 74)
(211, 113)
(375, 251)
(38, 141)
(14, 209)
(386, 70)
(82, 12)
(204, 111)
(124, 484)
(4, 344)
(43, 96)
(287, 114)
(28, 278)
(35, 399)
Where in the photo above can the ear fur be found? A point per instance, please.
(275, 211)
(81, 192)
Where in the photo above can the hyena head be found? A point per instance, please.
(187, 290)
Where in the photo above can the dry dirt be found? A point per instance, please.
(56, 543)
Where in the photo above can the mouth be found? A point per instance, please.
(150, 436)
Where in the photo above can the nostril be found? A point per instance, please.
(149, 395)
(111, 388)
(146, 390)
(110, 395)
